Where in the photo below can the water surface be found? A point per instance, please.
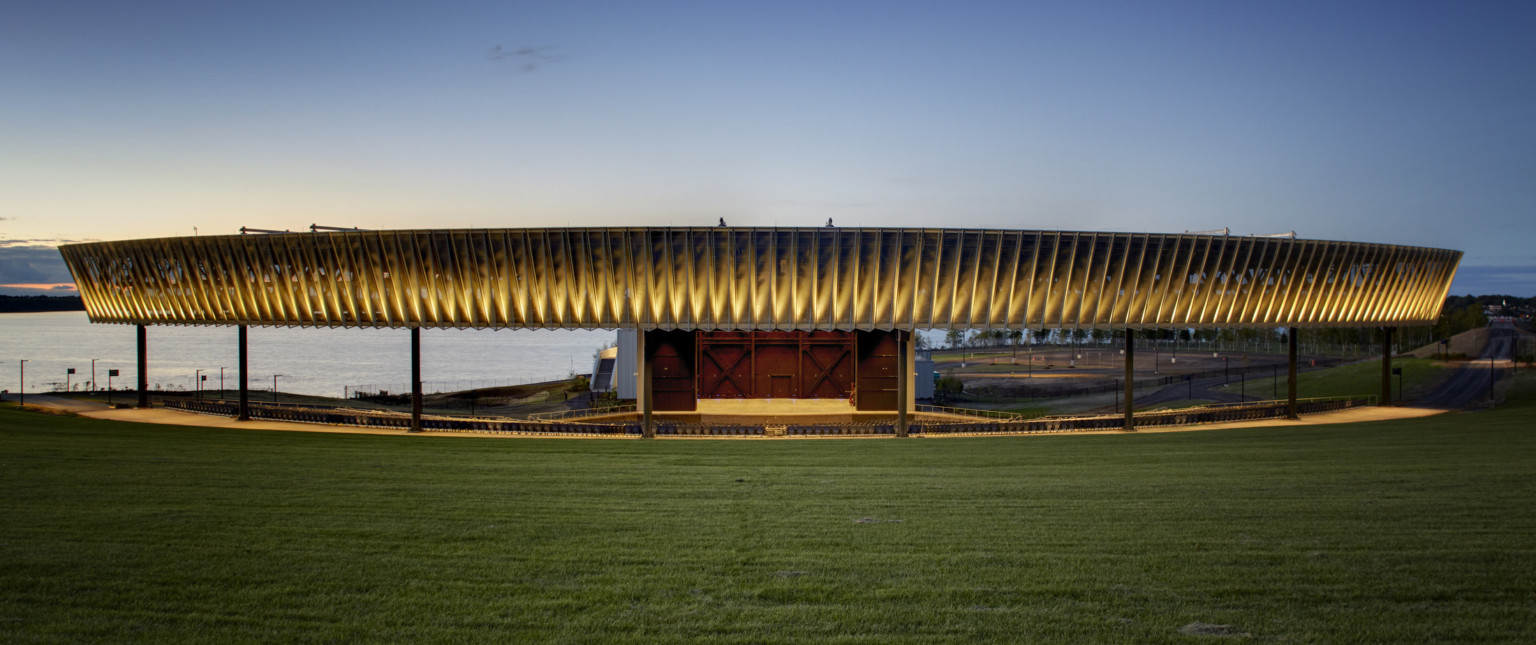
(309, 361)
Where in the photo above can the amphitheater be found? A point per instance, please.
(757, 331)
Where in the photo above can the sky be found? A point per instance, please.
(1397, 122)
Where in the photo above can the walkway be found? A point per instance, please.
(180, 418)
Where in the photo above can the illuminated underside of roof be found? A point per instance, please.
(724, 278)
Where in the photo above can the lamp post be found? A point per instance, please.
(274, 387)
(221, 382)
(21, 392)
(93, 375)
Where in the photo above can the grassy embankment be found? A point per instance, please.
(1354, 379)
(1387, 532)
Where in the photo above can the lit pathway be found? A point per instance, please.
(177, 417)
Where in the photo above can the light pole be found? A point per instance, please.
(274, 387)
(93, 375)
(221, 382)
(21, 392)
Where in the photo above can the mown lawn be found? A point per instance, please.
(1387, 532)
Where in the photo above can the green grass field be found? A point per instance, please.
(1387, 532)
(1354, 379)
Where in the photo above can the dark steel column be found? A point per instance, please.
(643, 361)
(1290, 383)
(415, 379)
(245, 390)
(1386, 365)
(1130, 379)
(143, 367)
(902, 378)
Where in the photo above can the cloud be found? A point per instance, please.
(527, 59)
(28, 262)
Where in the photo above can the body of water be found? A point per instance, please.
(309, 361)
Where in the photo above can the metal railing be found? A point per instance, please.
(398, 420)
(970, 412)
(582, 412)
(1215, 413)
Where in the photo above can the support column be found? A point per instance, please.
(903, 376)
(1386, 365)
(415, 379)
(245, 391)
(643, 388)
(1291, 411)
(143, 367)
(1130, 380)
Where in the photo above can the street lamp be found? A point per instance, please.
(274, 387)
(21, 392)
(221, 382)
(93, 375)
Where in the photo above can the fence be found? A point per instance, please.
(1217, 413)
(374, 419)
(970, 412)
(1231, 375)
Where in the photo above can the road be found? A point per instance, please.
(64, 402)
(1471, 383)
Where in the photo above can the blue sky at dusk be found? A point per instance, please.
(1399, 122)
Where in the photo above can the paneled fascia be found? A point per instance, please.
(722, 278)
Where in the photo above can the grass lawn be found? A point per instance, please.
(1354, 379)
(1388, 532)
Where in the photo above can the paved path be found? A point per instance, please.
(1470, 384)
(63, 403)
(181, 418)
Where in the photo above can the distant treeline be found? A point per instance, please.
(20, 304)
